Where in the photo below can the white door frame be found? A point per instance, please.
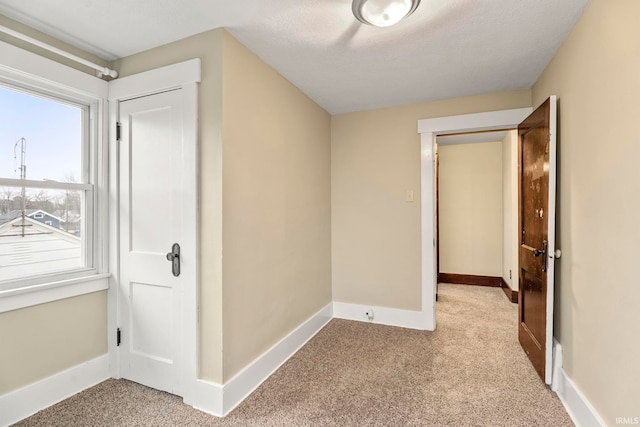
(185, 76)
(428, 130)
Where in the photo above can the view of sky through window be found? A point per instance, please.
(41, 229)
(52, 131)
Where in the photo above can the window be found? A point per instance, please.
(24, 73)
(48, 194)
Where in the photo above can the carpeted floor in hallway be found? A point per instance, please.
(470, 372)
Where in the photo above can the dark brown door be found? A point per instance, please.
(536, 213)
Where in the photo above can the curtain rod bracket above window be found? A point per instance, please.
(101, 71)
(106, 72)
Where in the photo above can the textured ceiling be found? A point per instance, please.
(446, 49)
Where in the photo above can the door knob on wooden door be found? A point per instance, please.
(174, 257)
(543, 252)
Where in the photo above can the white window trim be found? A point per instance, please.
(44, 184)
(25, 69)
(18, 298)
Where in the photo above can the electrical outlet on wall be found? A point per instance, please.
(369, 314)
(510, 275)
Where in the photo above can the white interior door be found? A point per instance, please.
(151, 196)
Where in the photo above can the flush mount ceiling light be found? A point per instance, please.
(383, 13)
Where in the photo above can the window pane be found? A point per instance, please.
(39, 138)
(42, 235)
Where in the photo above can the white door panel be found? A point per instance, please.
(150, 311)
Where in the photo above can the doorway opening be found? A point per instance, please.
(428, 130)
(536, 218)
(476, 209)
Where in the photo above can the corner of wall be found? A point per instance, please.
(276, 201)
(208, 47)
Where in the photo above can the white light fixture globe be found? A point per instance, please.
(383, 13)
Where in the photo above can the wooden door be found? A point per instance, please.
(536, 213)
(151, 197)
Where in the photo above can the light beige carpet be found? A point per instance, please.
(470, 372)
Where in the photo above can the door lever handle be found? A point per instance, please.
(543, 252)
(174, 257)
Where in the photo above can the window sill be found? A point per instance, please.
(14, 299)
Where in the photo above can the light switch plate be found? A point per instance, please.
(409, 196)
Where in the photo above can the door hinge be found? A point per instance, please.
(118, 131)
(118, 338)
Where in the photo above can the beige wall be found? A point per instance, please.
(595, 75)
(470, 196)
(208, 47)
(375, 158)
(510, 209)
(375, 233)
(276, 208)
(42, 340)
(45, 339)
(265, 203)
(277, 267)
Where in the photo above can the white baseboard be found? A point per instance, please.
(557, 364)
(219, 400)
(580, 410)
(247, 380)
(208, 397)
(23, 402)
(578, 407)
(381, 315)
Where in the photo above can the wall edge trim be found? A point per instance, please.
(580, 410)
(26, 401)
(578, 407)
(248, 379)
(382, 315)
(510, 293)
(207, 397)
(470, 279)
